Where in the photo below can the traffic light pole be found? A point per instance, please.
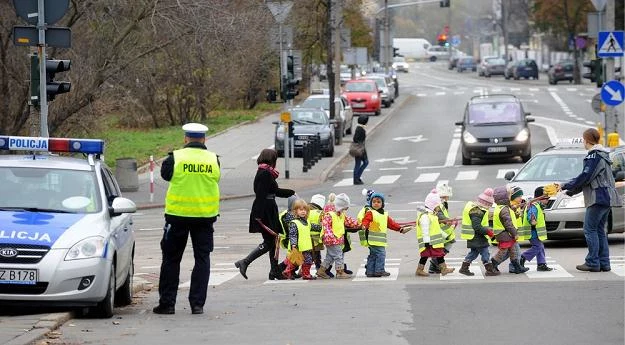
(41, 49)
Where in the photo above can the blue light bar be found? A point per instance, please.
(14, 143)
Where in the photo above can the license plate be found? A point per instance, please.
(16, 276)
(299, 142)
(568, 75)
(497, 149)
(358, 105)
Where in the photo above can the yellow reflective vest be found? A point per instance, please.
(497, 224)
(376, 234)
(467, 232)
(448, 229)
(338, 224)
(304, 243)
(525, 232)
(314, 217)
(436, 234)
(194, 187)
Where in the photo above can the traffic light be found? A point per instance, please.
(395, 52)
(54, 88)
(290, 67)
(445, 3)
(34, 80)
(596, 71)
(442, 40)
(291, 129)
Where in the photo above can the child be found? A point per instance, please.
(475, 230)
(375, 222)
(517, 204)
(534, 219)
(299, 238)
(504, 227)
(314, 217)
(334, 222)
(430, 236)
(447, 225)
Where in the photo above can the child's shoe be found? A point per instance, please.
(490, 270)
(346, 270)
(306, 272)
(340, 274)
(495, 263)
(518, 269)
(444, 269)
(321, 273)
(543, 268)
(434, 269)
(421, 271)
(288, 271)
(465, 269)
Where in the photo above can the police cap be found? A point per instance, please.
(195, 130)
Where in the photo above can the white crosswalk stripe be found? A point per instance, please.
(386, 179)
(467, 175)
(427, 177)
(502, 172)
(345, 182)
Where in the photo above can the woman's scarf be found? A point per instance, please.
(269, 168)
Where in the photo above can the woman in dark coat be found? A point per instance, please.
(265, 209)
(360, 135)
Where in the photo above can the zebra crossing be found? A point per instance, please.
(425, 177)
(221, 275)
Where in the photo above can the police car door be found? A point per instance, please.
(120, 228)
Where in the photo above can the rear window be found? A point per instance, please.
(482, 113)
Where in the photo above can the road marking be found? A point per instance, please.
(398, 168)
(558, 272)
(458, 92)
(467, 175)
(345, 182)
(148, 267)
(440, 93)
(453, 151)
(515, 89)
(150, 229)
(571, 89)
(215, 279)
(427, 177)
(502, 172)
(474, 268)
(421, 95)
(386, 179)
(535, 89)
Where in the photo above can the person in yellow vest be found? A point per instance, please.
(287, 268)
(476, 231)
(299, 229)
(375, 222)
(505, 229)
(430, 236)
(447, 225)
(334, 222)
(517, 204)
(534, 222)
(191, 207)
(315, 205)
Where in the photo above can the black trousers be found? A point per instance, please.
(175, 235)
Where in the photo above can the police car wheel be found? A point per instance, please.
(124, 294)
(104, 309)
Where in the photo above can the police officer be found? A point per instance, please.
(191, 206)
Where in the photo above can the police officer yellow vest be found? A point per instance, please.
(525, 233)
(376, 235)
(194, 190)
(497, 224)
(448, 230)
(436, 234)
(467, 232)
(304, 243)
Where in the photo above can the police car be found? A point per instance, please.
(66, 236)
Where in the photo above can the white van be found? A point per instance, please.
(412, 48)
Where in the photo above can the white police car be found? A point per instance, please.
(66, 235)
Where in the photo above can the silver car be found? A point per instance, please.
(66, 235)
(344, 115)
(564, 215)
(387, 86)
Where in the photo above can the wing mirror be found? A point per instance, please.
(460, 123)
(530, 119)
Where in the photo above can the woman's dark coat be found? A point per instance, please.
(264, 206)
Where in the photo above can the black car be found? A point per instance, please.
(307, 123)
(495, 126)
(525, 68)
(562, 70)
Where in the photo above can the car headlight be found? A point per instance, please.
(280, 133)
(92, 247)
(468, 138)
(324, 135)
(576, 201)
(374, 97)
(523, 135)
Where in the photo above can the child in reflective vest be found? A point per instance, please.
(299, 230)
(448, 225)
(375, 222)
(505, 229)
(534, 222)
(476, 231)
(334, 222)
(315, 205)
(430, 236)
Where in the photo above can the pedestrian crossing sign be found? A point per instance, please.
(610, 44)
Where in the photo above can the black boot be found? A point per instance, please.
(495, 264)
(346, 270)
(330, 274)
(522, 261)
(275, 272)
(434, 269)
(253, 255)
(518, 269)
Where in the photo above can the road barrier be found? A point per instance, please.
(311, 152)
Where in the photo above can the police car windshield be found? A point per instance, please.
(552, 168)
(49, 190)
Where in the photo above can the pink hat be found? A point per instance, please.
(485, 199)
(432, 200)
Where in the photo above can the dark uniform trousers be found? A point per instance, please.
(173, 244)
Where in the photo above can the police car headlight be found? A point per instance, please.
(468, 138)
(522, 136)
(91, 247)
(577, 201)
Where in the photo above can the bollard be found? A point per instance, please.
(317, 152)
(309, 152)
(126, 174)
(305, 156)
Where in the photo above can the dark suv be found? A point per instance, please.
(495, 127)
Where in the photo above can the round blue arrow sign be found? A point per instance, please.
(612, 93)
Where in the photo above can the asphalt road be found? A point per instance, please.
(409, 154)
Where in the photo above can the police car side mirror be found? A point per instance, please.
(530, 119)
(509, 175)
(460, 123)
(122, 205)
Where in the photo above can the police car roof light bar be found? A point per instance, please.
(87, 146)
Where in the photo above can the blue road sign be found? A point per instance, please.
(612, 92)
(455, 40)
(610, 44)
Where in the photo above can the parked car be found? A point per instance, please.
(562, 70)
(307, 122)
(466, 63)
(525, 68)
(493, 66)
(437, 53)
(387, 85)
(400, 64)
(495, 127)
(565, 214)
(67, 231)
(343, 111)
(455, 57)
(364, 96)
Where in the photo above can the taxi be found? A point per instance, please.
(66, 236)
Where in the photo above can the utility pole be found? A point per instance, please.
(611, 116)
(504, 28)
(387, 40)
(338, 15)
(330, 57)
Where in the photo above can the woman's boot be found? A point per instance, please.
(465, 269)
(421, 271)
(253, 255)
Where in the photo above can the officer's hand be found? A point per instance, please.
(569, 193)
